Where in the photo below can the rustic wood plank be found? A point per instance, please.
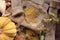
(16, 7)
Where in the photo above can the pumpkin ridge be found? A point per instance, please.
(8, 27)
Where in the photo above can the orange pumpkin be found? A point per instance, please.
(7, 29)
(20, 37)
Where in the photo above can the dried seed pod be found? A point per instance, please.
(45, 20)
(54, 17)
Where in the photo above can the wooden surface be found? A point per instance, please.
(16, 7)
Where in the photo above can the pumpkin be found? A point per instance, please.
(21, 36)
(7, 29)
